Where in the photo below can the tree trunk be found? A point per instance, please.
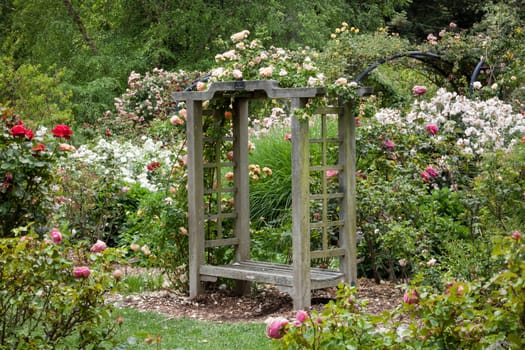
(80, 25)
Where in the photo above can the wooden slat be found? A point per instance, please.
(321, 224)
(223, 190)
(212, 243)
(329, 253)
(326, 167)
(328, 140)
(278, 274)
(215, 217)
(319, 196)
(222, 164)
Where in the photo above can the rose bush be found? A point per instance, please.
(53, 293)
(27, 172)
(478, 314)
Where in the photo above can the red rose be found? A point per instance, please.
(18, 131)
(39, 148)
(153, 166)
(29, 134)
(62, 130)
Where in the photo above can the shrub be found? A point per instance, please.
(27, 161)
(52, 293)
(463, 315)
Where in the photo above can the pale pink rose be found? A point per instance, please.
(98, 246)
(237, 74)
(452, 25)
(175, 120)
(432, 39)
(288, 137)
(331, 173)
(419, 90)
(402, 262)
(341, 81)
(516, 235)
(240, 36)
(267, 171)
(200, 86)
(134, 247)
(117, 274)
(67, 147)
(276, 327)
(55, 235)
(229, 176)
(431, 262)
(145, 250)
(183, 113)
(266, 72)
(81, 272)
(183, 231)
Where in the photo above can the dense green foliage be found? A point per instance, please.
(440, 180)
(53, 293)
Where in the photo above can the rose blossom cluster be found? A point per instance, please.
(79, 272)
(128, 161)
(486, 126)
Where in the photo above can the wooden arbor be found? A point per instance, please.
(298, 279)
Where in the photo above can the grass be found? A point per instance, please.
(162, 332)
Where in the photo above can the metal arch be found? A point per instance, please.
(474, 76)
(418, 55)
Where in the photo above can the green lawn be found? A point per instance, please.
(187, 334)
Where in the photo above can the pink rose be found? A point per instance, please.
(516, 235)
(430, 171)
(288, 137)
(276, 327)
(81, 272)
(55, 235)
(432, 128)
(331, 173)
(98, 246)
(301, 316)
(389, 145)
(425, 176)
(411, 296)
(117, 274)
(419, 90)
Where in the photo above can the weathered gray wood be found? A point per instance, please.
(247, 89)
(241, 181)
(195, 195)
(299, 278)
(347, 182)
(278, 274)
(300, 209)
(212, 243)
